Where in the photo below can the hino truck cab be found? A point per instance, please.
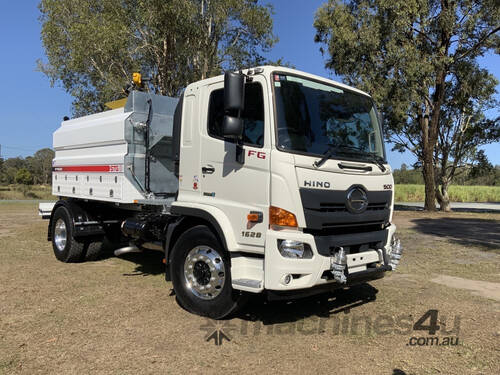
(268, 180)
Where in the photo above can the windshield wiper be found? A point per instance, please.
(327, 155)
(333, 148)
(373, 157)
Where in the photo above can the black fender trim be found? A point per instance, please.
(199, 213)
(83, 224)
(184, 213)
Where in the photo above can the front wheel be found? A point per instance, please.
(201, 274)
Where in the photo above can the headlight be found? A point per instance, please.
(294, 249)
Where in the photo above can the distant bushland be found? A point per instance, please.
(22, 192)
(464, 193)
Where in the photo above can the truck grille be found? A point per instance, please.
(326, 211)
(336, 207)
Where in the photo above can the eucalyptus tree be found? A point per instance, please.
(93, 46)
(407, 54)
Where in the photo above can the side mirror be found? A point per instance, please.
(234, 104)
(232, 127)
(234, 92)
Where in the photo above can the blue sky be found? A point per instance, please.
(31, 109)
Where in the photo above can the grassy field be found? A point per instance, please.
(22, 192)
(404, 193)
(119, 316)
(415, 193)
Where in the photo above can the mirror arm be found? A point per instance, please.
(247, 77)
(240, 152)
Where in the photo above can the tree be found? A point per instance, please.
(23, 177)
(406, 54)
(482, 165)
(93, 46)
(464, 126)
(40, 165)
(10, 168)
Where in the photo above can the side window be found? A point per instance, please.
(216, 113)
(253, 115)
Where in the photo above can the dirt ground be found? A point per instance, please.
(118, 315)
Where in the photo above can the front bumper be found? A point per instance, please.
(316, 272)
(357, 278)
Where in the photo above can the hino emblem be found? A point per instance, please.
(357, 201)
(323, 184)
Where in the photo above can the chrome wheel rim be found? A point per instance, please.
(60, 234)
(204, 272)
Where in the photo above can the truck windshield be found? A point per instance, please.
(315, 119)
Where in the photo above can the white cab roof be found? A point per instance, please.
(267, 70)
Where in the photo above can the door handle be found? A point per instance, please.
(207, 169)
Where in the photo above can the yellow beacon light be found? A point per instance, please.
(137, 78)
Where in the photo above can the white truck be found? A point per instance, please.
(268, 180)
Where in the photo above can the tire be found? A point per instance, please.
(197, 261)
(66, 248)
(103, 247)
(95, 250)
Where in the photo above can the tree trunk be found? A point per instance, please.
(443, 197)
(428, 162)
(430, 183)
(445, 179)
(430, 131)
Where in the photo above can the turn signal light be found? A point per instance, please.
(255, 217)
(281, 217)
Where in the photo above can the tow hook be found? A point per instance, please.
(396, 252)
(338, 264)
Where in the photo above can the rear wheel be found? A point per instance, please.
(96, 249)
(201, 274)
(66, 248)
(103, 247)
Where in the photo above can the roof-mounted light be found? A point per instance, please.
(251, 72)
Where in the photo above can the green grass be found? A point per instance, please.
(23, 192)
(415, 193)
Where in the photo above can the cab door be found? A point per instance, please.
(238, 189)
